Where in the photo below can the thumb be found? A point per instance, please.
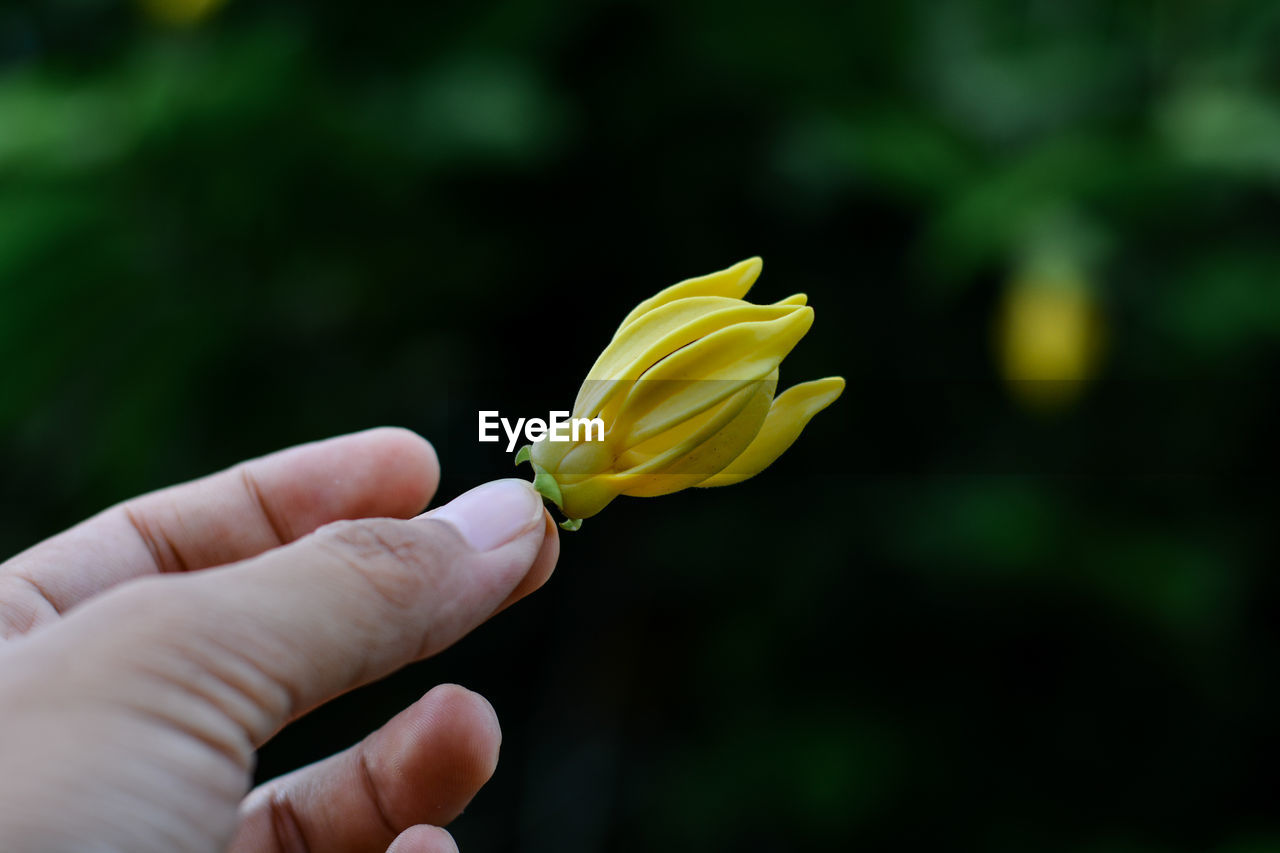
(267, 639)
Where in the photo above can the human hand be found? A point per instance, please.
(147, 652)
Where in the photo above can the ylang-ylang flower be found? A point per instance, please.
(686, 392)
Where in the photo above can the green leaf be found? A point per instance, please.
(546, 485)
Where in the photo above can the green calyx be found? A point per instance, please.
(546, 485)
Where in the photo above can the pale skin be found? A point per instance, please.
(146, 653)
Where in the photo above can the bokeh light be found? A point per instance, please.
(180, 13)
(1050, 331)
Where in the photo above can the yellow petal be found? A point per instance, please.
(585, 459)
(585, 499)
(787, 417)
(705, 452)
(702, 374)
(733, 282)
(682, 466)
(658, 334)
(681, 432)
(593, 459)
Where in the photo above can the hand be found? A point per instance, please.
(147, 652)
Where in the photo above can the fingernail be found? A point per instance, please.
(492, 514)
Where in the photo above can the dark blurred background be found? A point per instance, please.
(1009, 593)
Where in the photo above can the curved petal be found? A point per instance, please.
(658, 334)
(733, 282)
(585, 499)
(707, 451)
(702, 374)
(787, 417)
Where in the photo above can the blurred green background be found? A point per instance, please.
(1009, 593)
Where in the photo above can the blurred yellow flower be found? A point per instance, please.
(180, 13)
(685, 391)
(1049, 335)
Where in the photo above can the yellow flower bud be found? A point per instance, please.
(685, 391)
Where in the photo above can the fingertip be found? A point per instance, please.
(493, 514)
(543, 565)
(471, 723)
(412, 461)
(387, 472)
(424, 838)
(446, 743)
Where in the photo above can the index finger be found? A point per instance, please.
(226, 517)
